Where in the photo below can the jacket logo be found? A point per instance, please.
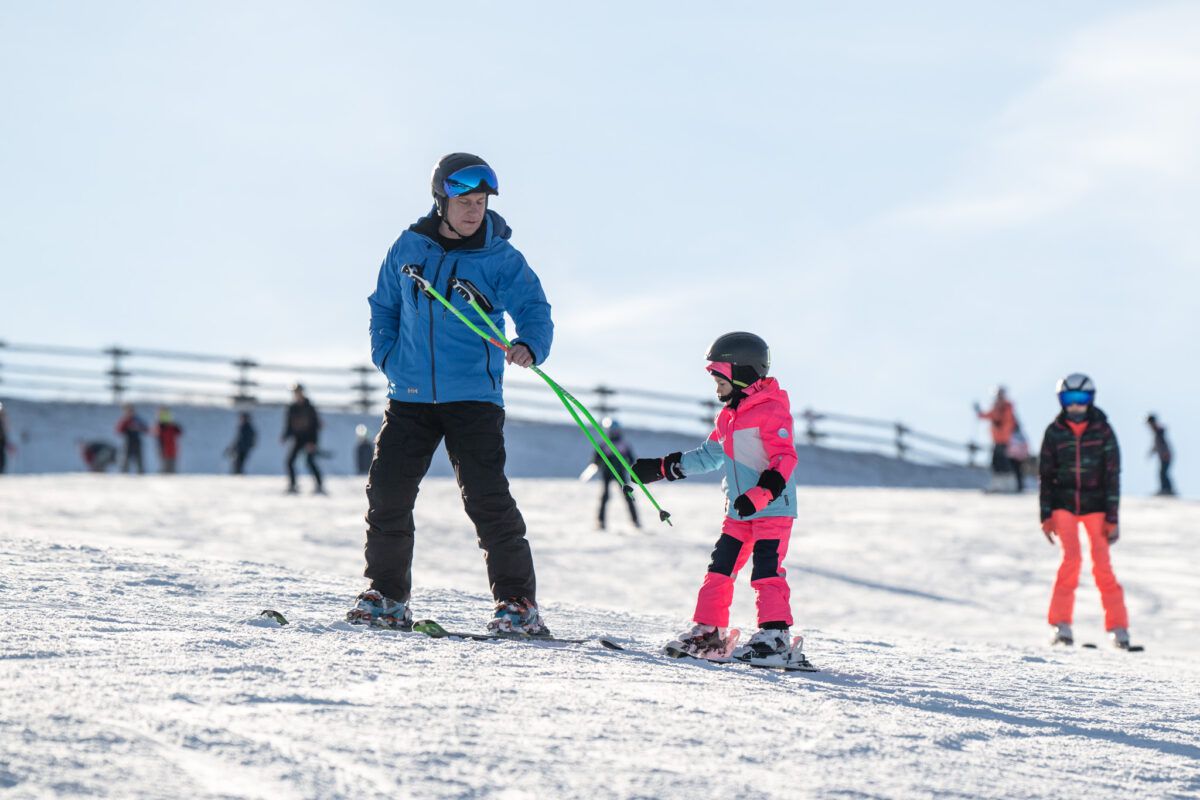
(413, 390)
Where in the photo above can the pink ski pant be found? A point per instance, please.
(765, 541)
(1112, 596)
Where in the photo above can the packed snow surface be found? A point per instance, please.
(134, 664)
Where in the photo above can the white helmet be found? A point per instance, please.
(1075, 382)
(1076, 389)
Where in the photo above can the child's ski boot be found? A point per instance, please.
(1120, 639)
(1063, 635)
(702, 641)
(774, 647)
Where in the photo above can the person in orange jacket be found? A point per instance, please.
(1003, 417)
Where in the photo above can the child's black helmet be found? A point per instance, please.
(747, 355)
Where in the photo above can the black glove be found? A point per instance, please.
(770, 486)
(649, 470)
(744, 506)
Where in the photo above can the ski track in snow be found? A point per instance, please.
(134, 663)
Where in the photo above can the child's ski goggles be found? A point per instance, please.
(479, 177)
(1076, 398)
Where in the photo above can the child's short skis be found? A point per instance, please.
(752, 441)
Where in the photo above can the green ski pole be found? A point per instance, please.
(568, 400)
(476, 300)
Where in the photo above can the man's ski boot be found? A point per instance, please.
(1063, 634)
(374, 609)
(518, 616)
(702, 641)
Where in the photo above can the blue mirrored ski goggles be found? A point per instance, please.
(1076, 398)
(471, 179)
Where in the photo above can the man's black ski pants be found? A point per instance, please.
(474, 435)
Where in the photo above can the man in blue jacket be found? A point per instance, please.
(445, 382)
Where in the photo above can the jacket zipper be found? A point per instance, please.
(1079, 447)
(432, 352)
(487, 348)
(732, 423)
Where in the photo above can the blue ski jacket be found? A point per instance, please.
(427, 354)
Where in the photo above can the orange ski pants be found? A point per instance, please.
(1112, 596)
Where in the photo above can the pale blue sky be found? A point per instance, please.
(911, 202)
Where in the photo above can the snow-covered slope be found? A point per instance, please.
(47, 434)
(133, 663)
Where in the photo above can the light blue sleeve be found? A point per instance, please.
(708, 457)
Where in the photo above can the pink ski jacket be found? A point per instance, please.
(755, 436)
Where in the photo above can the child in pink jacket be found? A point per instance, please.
(752, 441)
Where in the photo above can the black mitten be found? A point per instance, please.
(649, 470)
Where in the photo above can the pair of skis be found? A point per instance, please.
(481, 305)
(794, 662)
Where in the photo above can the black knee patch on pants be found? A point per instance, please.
(766, 559)
(724, 555)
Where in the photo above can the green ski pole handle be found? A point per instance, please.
(480, 304)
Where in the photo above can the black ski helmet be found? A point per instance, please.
(447, 166)
(747, 353)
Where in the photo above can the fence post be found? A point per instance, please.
(603, 407)
(901, 447)
(810, 425)
(363, 388)
(244, 383)
(116, 374)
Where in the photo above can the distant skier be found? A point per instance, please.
(97, 455)
(613, 429)
(1163, 451)
(446, 383)
(302, 425)
(4, 445)
(1080, 468)
(243, 442)
(1018, 453)
(1003, 418)
(753, 442)
(364, 450)
(167, 431)
(131, 427)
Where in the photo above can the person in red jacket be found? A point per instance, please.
(167, 432)
(1080, 468)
